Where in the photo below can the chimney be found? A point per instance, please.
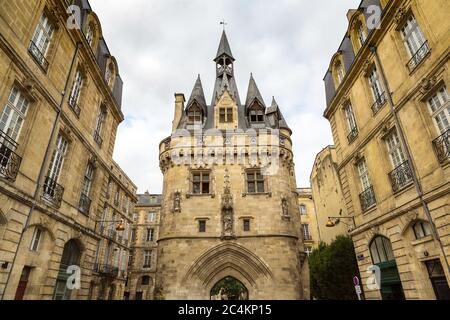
(179, 108)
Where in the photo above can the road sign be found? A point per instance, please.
(356, 281)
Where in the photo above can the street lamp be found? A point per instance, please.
(333, 221)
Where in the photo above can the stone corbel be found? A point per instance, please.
(367, 67)
(426, 85)
(358, 157)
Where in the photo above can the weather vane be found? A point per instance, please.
(223, 23)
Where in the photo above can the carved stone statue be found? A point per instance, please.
(285, 207)
(177, 202)
(227, 209)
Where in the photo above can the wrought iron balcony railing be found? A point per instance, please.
(379, 103)
(442, 146)
(367, 199)
(418, 57)
(85, 204)
(352, 135)
(106, 270)
(74, 106)
(9, 160)
(53, 192)
(401, 176)
(98, 139)
(38, 56)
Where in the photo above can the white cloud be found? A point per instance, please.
(161, 46)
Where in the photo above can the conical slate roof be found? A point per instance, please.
(224, 47)
(274, 111)
(198, 95)
(253, 93)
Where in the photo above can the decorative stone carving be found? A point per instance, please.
(426, 84)
(400, 16)
(30, 86)
(367, 67)
(227, 210)
(177, 202)
(285, 208)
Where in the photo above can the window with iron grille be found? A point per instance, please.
(375, 84)
(41, 39)
(350, 116)
(87, 181)
(412, 35)
(56, 164)
(255, 182)
(363, 172)
(201, 182)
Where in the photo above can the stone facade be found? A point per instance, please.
(60, 105)
(309, 228)
(387, 103)
(225, 211)
(326, 190)
(142, 264)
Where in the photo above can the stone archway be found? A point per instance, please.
(222, 261)
(229, 288)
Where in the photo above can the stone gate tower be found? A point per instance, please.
(229, 197)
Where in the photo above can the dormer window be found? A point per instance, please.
(90, 34)
(340, 72)
(226, 115)
(109, 75)
(256, 113)
(361, 34)
(195, 114)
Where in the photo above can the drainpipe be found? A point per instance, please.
(409, 157)
(44, 163)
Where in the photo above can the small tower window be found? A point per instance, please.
(246, 225)
(200, 182)
(195, 114)
(202, 226)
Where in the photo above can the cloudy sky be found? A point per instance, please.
(161, 46)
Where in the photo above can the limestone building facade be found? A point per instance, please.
(326, 188)
(143, 259)
(309, 227)
(388, 107)
(60, 106)
(229, 208)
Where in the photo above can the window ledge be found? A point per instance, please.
(422, 240)
(188, 195)
(245, 194)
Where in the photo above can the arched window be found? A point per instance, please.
(195, 114)
(90, 33)
(381, 250)
(421, 229)
(146, 280)
(340, 74)
(302, 209)
(70, 257)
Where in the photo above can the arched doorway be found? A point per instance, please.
(71, 256)
(383, 257)
(229, 288)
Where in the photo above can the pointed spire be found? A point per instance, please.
(224, 47)
(253, 93)
(198, 95)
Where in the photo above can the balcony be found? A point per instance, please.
(98, 139)
(9, 160)
(418, 57)
(74, 106)
(352, 135)
(367, 199)
(401, 176)
(107, 270)
(38, 56)
(53, 192)
(442, 146)
(85, 204)
(379, 103)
